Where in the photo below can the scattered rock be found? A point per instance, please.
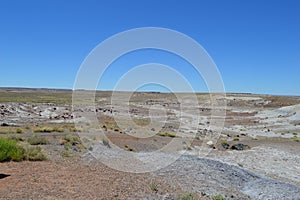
(225, 145)
(4, 124)
(104, 127)
(240, 147)
(7, 124)
(211, 144)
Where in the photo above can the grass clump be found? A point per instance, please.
(65, 154)
(236, 139)
(172, 135)
(186, 196)
(9, 150)
(74, 130)
(17, 138)
(154, 186)
(72, 141)
(37, 140)
(197, 138)
(48, 130)
(34, 154)
(219, 197)
(18, 130)
(296, 140)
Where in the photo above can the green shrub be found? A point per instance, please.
(18, 130)
(236, 139)
(37, 140)
(9, 150)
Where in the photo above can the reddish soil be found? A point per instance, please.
(74, 180)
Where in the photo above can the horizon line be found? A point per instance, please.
(162, 92)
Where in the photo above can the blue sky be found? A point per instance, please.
(254, 43)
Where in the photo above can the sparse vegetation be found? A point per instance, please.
(35, 179)
(128, 148)
(70, 141)
(141, 121)
(172, 135)
(186, 196)
(34, 154)
(18, 130)
(65, 154)
(74, 130)
(154, 186)
(48, 130)
(10, 150)
(36, 97)
(296, 139)
(105, 142)
(17, 138)
(108, 122)
(219, 197)
(52, 119)
(224, 141)
(5, 131)
(37, 140)
(187, 147)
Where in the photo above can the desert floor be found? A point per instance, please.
(236, 146)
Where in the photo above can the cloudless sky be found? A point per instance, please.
(254, 43)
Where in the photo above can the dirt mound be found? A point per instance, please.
(211, 176)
